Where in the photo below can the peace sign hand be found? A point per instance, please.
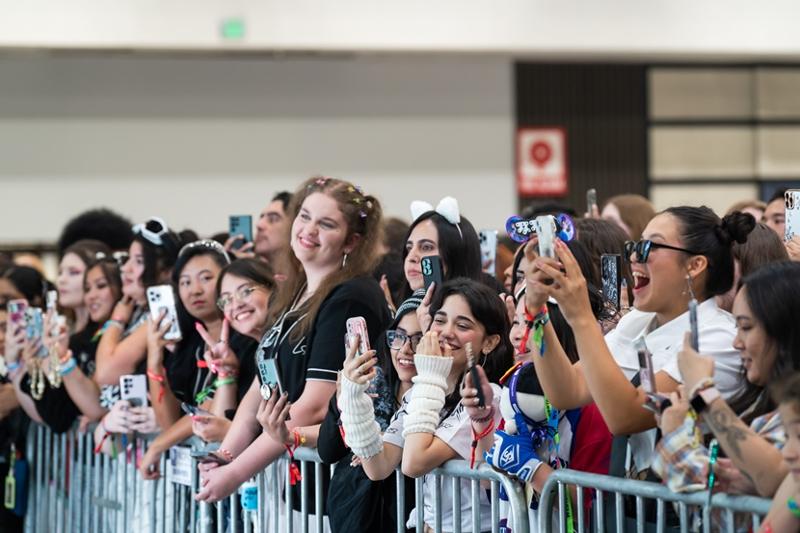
(569, 286)
(218, 354)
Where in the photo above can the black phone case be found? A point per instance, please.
(431, 270)
(610, 266)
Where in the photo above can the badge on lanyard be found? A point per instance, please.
(11, 482)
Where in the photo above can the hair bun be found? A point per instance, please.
(735, 227)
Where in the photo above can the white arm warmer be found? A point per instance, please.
(427, 394)
(361, 432)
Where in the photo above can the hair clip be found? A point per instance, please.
(362, 214)
(357, 200)
(360, 190)
(321, 181)
(369, 204)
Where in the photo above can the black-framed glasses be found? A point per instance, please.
(396, 339)
(643, 248)
(243, 295)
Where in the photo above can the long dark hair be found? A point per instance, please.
(773, 295)
(490, 312)
(459, 247)
(157, 258)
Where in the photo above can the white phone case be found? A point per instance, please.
(488, 240)
(133, 387)
(792, 202)
(162, 297)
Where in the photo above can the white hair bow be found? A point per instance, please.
(448, 208)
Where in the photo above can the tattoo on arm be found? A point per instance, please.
(726, 426)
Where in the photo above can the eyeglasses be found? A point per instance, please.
(242, 295)
(396, 339)
(209, 244)
(643, 247)
(153, 230)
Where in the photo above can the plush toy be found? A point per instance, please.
(532, 432)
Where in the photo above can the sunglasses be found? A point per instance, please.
(643, 248)
(153, 230)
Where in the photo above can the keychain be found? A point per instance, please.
(37, 380)
(11, 483)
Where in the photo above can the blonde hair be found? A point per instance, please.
(635, 211)
(362, 214)
(747, 204)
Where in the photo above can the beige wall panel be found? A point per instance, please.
(692, 93)
(701, 152)
(717, 197)
(779, 152)
(778, 91)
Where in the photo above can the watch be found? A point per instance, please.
(704, 398)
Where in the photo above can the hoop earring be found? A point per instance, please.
(344, 260)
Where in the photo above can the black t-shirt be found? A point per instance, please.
(55, 406)
(319, 355)
(186, 379)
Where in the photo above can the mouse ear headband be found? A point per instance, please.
(447, 208)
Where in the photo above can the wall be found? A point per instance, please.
(711, 29)
(197, 139)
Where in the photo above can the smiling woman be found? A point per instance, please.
(333, 240)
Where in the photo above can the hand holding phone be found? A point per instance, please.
(432, 271)
(240, 225)
(475, 376)
(205, 456)
(161, 298)
(270, 379)
(357, 326)
(193, 410)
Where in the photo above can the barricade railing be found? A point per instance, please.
(72, 489)
(726, 512)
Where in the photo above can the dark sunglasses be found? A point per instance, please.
(643, 247)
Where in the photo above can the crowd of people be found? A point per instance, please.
(530, 369)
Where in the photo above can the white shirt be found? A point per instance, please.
(456, 431)
(716, 332)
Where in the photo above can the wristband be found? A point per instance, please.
(160, 379)
(476, 438)
(489, 416)
(230, 374)
(703, 399)
(115, 323)
(68, 367)
(230, 380)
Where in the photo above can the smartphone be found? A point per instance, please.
(52, 301)
(432, 271)
(162, 297)
(611, 277)
(34, 328)
(488, 240)
(695, 336)
(205, 456)
(270, 379)
(357, 325)
(647, 375)
(591, 201)
(193, 410)
(16, 313)
(792, 203)
(240, 225)
(476, 377)
(546, 231)
(133, 387)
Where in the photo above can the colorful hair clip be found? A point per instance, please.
(362, 214)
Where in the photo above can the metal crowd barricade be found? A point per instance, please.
(72, 489)
(729, 506)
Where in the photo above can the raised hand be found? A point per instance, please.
(218, 354)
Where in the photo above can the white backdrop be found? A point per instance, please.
(197, 139)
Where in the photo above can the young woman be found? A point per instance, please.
(124, 344)
(748, 427)
(334, 239)
(687, 250)
(443, 232)
(53, 406)
(243, 293)
(432, 426)
(102, 290)
(184, 374)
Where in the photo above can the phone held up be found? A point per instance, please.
(133, 387)
(357, 326)
(162, 298)
(270, 379)
(655, 402)
(610, 265)
(432, 271)
(488, 242)
(240, 225)
(591, 201)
